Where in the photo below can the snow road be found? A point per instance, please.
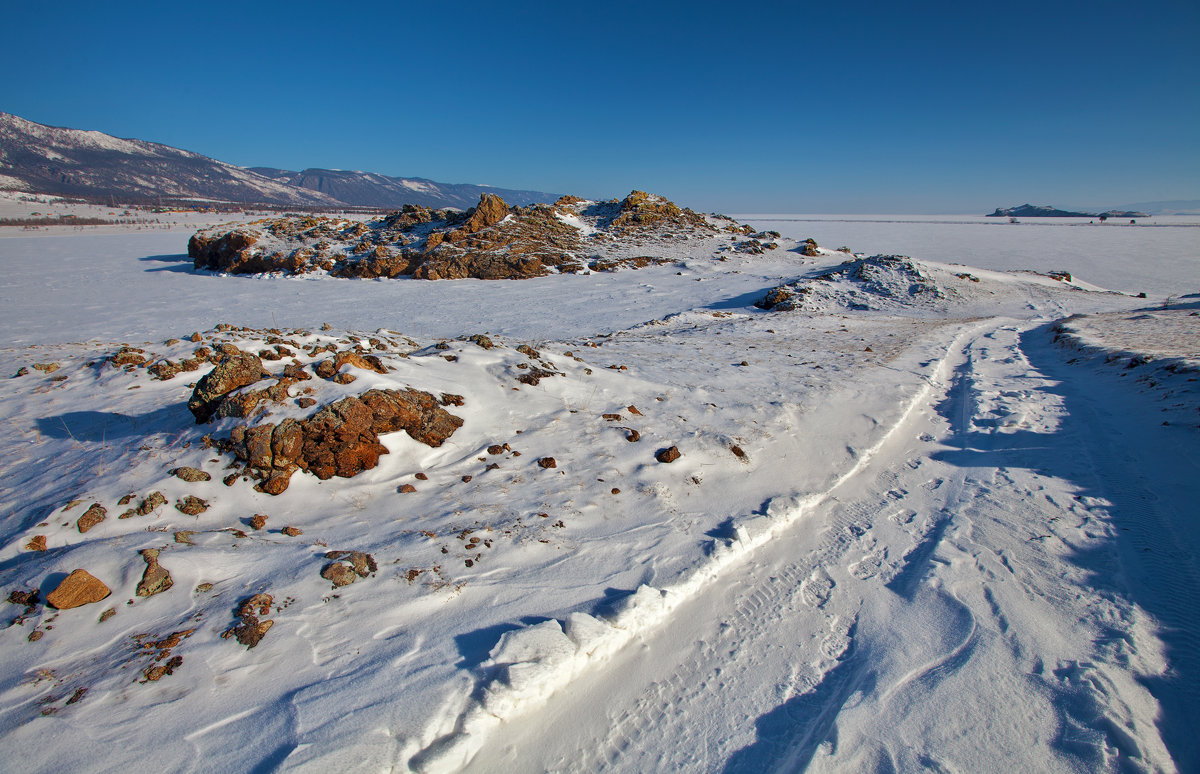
(961, 603)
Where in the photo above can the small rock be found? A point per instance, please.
(191, 505)
(36, 635)
(156, 579)
(128, 356)
(277, 483)
(407, 489)
(339, 574)
(184, 536)
(495, 449)
(36, 543)
(292, 531)
(91, 517)
(362, 563)
(616, 491)
(258, 521)
(20, 372)
(107, 614)
(325, 369)
(344, 378)
(126, 500)
(421, 477)
(249, 630)
(26, 598)
(737, 452)
(634, 410)
(612, 417)
(633, 436)
(450, 399)
(77, 589)
(481, 341)
(466, 479)
(47, 368)
(191, 475)
(668, 455)
(155, 673)
(153, 502)
(204, 588)
(305, 402)
(547, 462)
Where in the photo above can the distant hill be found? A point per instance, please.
(93, 165)
(1173, 207)
(1033, 211)
(367, 189)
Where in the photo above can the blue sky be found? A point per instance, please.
(934, 107)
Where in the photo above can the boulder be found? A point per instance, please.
(77, 589)
(668, 455)
(91, 517)
(341, 439)
(490, 211)
(156, 579)
(234, 371)
(229, 252)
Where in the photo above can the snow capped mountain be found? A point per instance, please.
(73, 162)
(368, 189)
(91, 164)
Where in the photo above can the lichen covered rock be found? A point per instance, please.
(341, 439)
(235, 370)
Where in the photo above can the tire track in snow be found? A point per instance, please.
(649, 609)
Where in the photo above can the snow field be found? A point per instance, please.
(923, 533)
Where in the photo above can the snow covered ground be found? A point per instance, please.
(944, 524)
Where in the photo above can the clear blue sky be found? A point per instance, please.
(739, 107)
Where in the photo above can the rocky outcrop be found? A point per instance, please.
(490, 241)
(640, 209)
(341, 439)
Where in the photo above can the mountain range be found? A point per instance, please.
(44, 159)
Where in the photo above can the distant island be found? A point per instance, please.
(1033, 211)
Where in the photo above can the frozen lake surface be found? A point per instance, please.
(1159, 256)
